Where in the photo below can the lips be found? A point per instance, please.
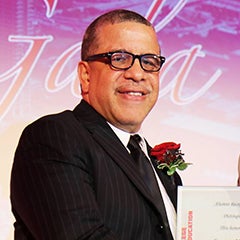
(135, 93)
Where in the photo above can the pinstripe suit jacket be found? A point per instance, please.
(73, 179)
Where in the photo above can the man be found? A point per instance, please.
(73, 176)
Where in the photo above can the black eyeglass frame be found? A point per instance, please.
(108, 55)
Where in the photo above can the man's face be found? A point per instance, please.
(122, 97)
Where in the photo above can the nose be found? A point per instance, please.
(135, 72)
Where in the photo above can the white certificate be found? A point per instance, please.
(208, 213)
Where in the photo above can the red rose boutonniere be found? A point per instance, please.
(169, 156)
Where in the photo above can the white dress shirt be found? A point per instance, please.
(170, 210)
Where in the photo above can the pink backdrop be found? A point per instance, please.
(198, 103)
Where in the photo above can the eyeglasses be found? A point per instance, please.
(124, 60)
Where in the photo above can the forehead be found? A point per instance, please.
(130, 36)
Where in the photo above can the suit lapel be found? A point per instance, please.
(167, 181)
(169, 184)
(109, 141)
(120, 155)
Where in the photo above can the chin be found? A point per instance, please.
(130, 125)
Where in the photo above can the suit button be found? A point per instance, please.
(159, 228)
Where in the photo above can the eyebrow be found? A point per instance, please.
(125, 50)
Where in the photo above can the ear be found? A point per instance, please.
(83, 75)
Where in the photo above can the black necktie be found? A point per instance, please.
(147, 174)
(144, 165)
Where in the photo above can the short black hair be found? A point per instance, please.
(90, 38)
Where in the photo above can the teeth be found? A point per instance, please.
(135, 93)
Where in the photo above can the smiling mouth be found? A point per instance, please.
(135, 93)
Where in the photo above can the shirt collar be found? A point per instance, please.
(122, 135)
(125, 136)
